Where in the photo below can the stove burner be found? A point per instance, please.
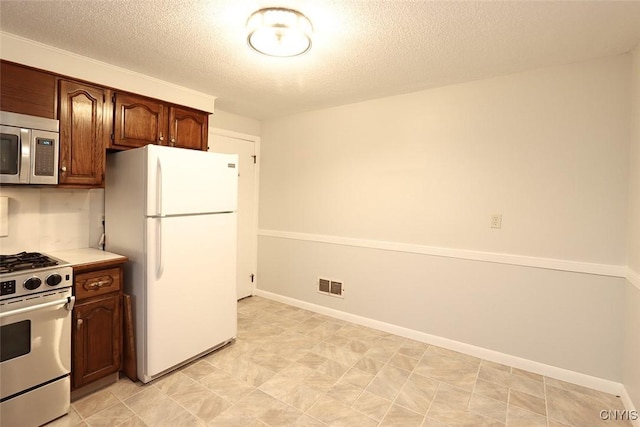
(24, 261)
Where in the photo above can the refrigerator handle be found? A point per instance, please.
(159, 247)
(159, 188)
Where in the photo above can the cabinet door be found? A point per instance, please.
(25, 90)
(97, 339)
(138, 122)
(188, 128)
(82, 144)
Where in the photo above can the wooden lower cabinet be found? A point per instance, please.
(96, 337)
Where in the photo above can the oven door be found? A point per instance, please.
(15, 155)
(35, 345)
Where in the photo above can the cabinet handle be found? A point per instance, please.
(63, 168)
(98, 284)
(80, 322)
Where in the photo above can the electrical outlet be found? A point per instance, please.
(496, 221)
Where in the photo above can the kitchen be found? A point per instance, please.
(364, 250)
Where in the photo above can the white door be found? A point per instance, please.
(246, 147)
(207, 180)
(189, 309)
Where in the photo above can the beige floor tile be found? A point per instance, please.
(527, 374)
(488, 407)
(369, 365)
(307, 421)
(334, 413)
(497, 366)
(125, 388)
(226, 386)
(528, 402)
(253, 405)
(319, 381)
(198, 369)
(451, 416)
(333, 369)
(111, 416)
(94, 403)
(201, 402)
(358, 378)
(413, 349)
(281, 415)
(526, 385)
(451, 397)
(134, 421)
(611, 400)
(577, 409)
(458, 371)
(344, 393)
(402, 417)
(492, 390)
(251, 373)
(403, 362)
(312, 360)
(517, 417)
(388, 382)
(372, 405)
(173, 383)
(154, 407)
(417, 393)
(301, 397)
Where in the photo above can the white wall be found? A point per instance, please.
(632, 296)
(547, 149)
(234, 122)
(48, 219)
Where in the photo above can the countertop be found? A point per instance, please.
(86, 256)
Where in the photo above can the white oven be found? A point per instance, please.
(35, 347)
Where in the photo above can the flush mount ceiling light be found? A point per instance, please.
(279, 32)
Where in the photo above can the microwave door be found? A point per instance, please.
(44, 157)
(15, 150)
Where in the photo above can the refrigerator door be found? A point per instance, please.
(190, 285)
(209, 179)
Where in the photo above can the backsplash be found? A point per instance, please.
(48, 219)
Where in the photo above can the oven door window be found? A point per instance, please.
(15, 340)
(9, 154)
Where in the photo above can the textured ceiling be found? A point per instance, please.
(362, 49)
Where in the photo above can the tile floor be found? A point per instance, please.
(292, 367)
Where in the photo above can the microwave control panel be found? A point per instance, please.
(44, 160)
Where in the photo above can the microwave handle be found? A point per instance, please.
(25, 156)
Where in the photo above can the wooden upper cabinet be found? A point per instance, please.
(26, 90)
(188, 128)
(138, 121)
(82, 114)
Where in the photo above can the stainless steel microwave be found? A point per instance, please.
(29, 149)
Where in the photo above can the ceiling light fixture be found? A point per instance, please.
(279, 32)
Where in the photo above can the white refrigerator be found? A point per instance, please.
(172, 212)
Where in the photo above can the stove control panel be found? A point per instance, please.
(7, 287)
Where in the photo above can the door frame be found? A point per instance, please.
(256, 189)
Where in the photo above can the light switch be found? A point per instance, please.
(4, 216)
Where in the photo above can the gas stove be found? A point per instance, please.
(28, 273)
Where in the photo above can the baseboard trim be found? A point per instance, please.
(596, 383)
(633, 278)
(499, 258)
(628, 404)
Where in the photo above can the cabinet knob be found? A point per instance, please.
(80, 322)
(63, 169)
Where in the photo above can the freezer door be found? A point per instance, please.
(191, 302)
(182, 181)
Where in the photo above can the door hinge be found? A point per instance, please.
(255, 159)
(252, 277)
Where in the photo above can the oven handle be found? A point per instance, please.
(69, 301)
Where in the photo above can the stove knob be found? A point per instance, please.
(32, 283)
(54, 279)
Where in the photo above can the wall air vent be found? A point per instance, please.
(336, 289)
(324, 285)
